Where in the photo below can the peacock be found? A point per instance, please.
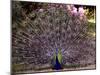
(49, 37)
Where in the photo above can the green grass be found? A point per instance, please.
(72, 66)
(19, 67)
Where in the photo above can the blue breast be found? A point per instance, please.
(57, 65)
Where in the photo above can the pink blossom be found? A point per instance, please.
(74, 11)
(81, 11)
(69, 7)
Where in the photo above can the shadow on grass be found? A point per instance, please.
(91, 29)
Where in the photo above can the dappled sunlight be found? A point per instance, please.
(91, 20)
(93, 34)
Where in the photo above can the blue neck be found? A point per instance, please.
(56, 51)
